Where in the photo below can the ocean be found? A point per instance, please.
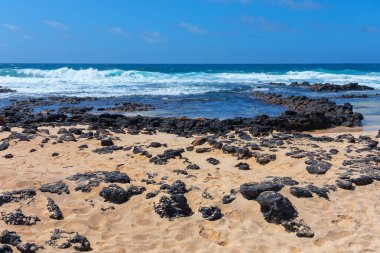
(213, 91)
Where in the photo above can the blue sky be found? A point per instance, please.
(190, 31)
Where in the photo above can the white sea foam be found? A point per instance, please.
(67, 81)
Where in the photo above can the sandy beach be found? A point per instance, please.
(346, 222)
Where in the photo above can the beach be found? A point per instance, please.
(345, 222)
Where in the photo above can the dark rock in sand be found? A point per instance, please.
(202, 150)
(29, 247)
(107, 150)
(361, 180)
(56, 187)
(193, 167)
(253, 190)
(19, 219)
(79, 242)
(86, 181)
(55, 154)
(114, 194)
(182, 172)
(16, 196)
(213, 161)
(4, 145)
(283, 180)
(265, 158)
(5, 249)
(321, 192)
(106, 142)
(199, 141)
(174, 206)
(8, 156)
(242, 166)
(300, 192)
(54, 209)
(155, 145)
(345, 184)
(211, 213)
(228, 198)
(317, 166)
(206, 195)
(152, 194)
(6, 90)
(11, 238)
(178, 187)
(276, 208)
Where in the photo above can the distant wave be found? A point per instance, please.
(90, 81)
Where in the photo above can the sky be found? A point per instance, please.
(189, 31)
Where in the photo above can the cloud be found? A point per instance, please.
(297, 4)
(263, 24)
(372, 29)
(10, 27)
(152, 37)
(118, 31)
(56, 25)
(192, 28)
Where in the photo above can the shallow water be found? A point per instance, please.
(213, 91)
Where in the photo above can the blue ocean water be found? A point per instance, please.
(217, 91)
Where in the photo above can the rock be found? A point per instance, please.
(83, 146)
(242, 166)
(202, 150)
(333, 151)
(106, 142)
(107, 150)
(228, 198)
(79, 242)
(155, 145)
(16, 196)
(28, 247)
(321, 192)
(317, 166)
(193, 167)
(19, 219)
(4, 145)
(345, 184)
(300, 192)
(8, 156)
(276, 208)
(198, 141)
(56, 188)
(282, 180)
(114, 194)
(174, 206)
(11, 238)
(213, 161)
(5, 249)
(178, 187)
(253, 190)
(54, 154)
(265, 158)
(323, 87)
(54, 209)
(211, 213)
(152, 194)
(361, 180)
(206, 195)
(86, 181)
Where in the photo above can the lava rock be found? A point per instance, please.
(253, 190)
(152, 194)
(213, 161)
(5, 249)
(228, 198)
(345, 184)
(361, 180)
(11, 238)
(193, 167)
(106, 142)
(211, 213)
(54, 209)
(172, 207)
(115, 194)
(19, 219)
(300, 192)
(242, 166)
(56, 188)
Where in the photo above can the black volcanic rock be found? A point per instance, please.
(54, 209)
(211, 213)
(253, 190)
(174, 206)
(323, 87)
